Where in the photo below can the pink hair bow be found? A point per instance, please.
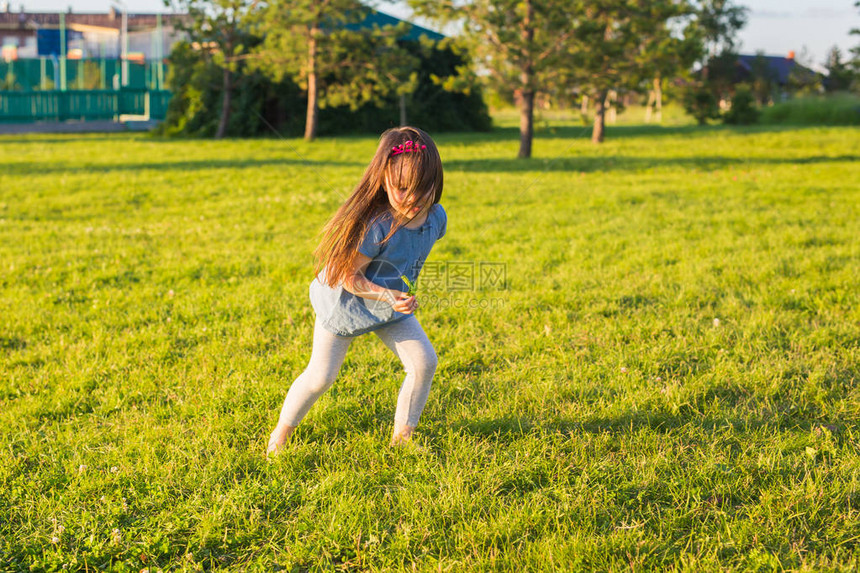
(407, 147)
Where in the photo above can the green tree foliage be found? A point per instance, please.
(855, 51)
(519, 43)
(323, 48)
(802, 81)
(447, 95)
(194, 109)
(700, 102)
(669, 49)
(839, 74)
(261, 105)
(854, 60)
(743, 110)
(618, 44)
(276, 58)
(298, 37)
(764, 80)
(217, 29)
(719, 22)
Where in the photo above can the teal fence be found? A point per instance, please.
(27, 107)
(87, 74)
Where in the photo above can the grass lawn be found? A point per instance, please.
(666, 378)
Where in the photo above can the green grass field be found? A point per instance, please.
(667, 379)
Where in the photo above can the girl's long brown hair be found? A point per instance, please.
(419, 172)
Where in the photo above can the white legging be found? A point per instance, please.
(405, 338)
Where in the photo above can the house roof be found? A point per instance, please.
(109, 20)
(380, 19)
(779, 67)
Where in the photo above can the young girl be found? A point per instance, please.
(383, 232)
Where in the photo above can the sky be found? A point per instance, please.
(807, 27)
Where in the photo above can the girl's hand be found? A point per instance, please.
(404, 302)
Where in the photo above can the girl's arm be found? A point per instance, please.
(360, 285)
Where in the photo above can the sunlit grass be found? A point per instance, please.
(667, 379)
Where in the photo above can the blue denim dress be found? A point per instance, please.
(346, 314)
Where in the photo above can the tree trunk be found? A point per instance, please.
(527, 114)
(402, 110)
(658, 104)
(599, 118)
(612, 111)
(651, 98)
(313, 91)
(225, 103)
(527, 94)
(583, 109)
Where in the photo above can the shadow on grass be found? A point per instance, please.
(37, 168)
(594, 163)
(511, 427)
(37, 139)
(614, 132)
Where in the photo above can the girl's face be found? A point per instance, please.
(402, 202)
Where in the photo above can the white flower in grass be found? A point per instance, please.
(115, 536)
(82, 468)
(60, 529)
(114, 469)
(624, 370)
(659, 379)
(716, 323)
(55, 539)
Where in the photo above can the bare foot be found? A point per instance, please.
(278, 438)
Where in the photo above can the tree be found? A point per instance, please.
(855, 55)
(839, 75)
(802, 80)
(720, 21)
(764, 79)
(618, 43)
(743, 110)
(217, 28)
(518, 43)
(700, 102)
(669, 48)
(323, 47)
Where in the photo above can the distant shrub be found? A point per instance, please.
(743, 110)
(700, 103)
(836, 109)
